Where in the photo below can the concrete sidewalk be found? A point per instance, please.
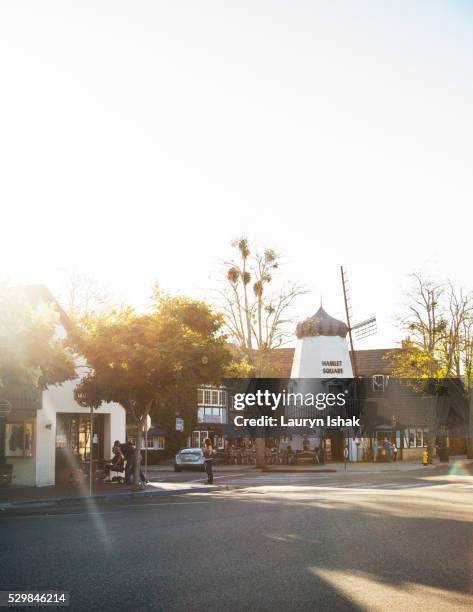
(22, 497)
(36, 497)
(318, 467)
(221, 468)
(365, 467)
(25, 497)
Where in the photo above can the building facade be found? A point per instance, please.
(45, 435)
(390, 411)
(212, 417)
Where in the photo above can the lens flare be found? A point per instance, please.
(458, 468)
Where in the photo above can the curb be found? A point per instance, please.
(220, 467)
(63, 501)
(298, 471)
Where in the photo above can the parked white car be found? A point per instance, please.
(189, 459)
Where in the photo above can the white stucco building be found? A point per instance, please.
(47, 431)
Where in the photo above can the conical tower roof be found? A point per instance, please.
(321, 324)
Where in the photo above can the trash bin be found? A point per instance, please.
(442, 454)
(6, 471)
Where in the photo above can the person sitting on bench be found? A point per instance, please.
(116, 464)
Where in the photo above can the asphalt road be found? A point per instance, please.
(277, 542)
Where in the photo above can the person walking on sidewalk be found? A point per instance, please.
(387, 450)
(375, 450)
(208, 459)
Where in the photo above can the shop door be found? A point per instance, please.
(338, 443)
(73, 438)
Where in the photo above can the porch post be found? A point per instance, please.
(469, 439)
(2, 439)
(146, 451)
(91, 445)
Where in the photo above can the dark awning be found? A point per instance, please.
(156, 431)
(24, 401)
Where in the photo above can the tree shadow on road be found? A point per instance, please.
(414, 550)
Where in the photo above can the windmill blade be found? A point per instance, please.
(369, 321)
(347, 300)
(365, 328)
(346, 293)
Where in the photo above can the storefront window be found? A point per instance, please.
(415, 437)
(419, 438)
(198, 437)
(19, 439)
(73, 435)
(218, 441)
(378, 382)
(154, 442)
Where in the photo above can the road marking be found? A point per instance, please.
(88, 513)
(191, 503)
(215, 477)
(265, 477)
(459, 485)
(58, 515)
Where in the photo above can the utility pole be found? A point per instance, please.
(361, 330)
(346, 299)
(469, 449)
(5, 469)
(146, 449)
(91, 445)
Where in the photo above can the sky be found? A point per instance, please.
(138, 139)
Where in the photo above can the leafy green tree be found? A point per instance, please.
(438, 323)
(31, 353)
(152, 363)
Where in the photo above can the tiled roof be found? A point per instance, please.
(374, 361)
(279, 362)
(369, 362)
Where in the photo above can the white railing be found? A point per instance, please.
(211, 418)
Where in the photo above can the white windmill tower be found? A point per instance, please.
(322, 354)
(322, 350)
